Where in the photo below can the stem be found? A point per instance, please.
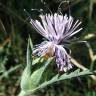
(9, 71)
(90, 9)
(22, 93)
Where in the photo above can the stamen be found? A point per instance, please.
(48, 8)
(40, 11)
(29, 16)
(59, 9)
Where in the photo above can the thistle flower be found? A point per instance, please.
(57, 29)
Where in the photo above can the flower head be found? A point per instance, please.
(57, 29)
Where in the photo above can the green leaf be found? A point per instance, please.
(76, 73)
(26, 76)
(35, 61)
(22, 93)
(30, 79)
(72, 74)
(30, 43)
(37, 75)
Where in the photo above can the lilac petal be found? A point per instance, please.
(62, 59)
(46, 26)
(55, 23)
(50, 26)
(76, 32)
(70, 21)
(43, 49)
(38, 28)
(72, 30)
(74, 27)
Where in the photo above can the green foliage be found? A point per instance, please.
(30, 81)
(25, 81)
(60, 78)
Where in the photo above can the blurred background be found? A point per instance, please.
(14, 32)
